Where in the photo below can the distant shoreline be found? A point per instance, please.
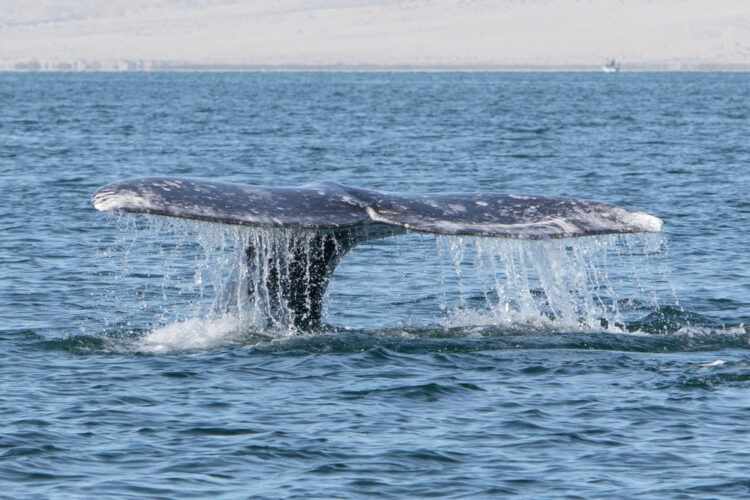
(167, 67)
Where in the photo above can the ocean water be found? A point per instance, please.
(453, 367)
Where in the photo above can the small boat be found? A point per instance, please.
(612, 66)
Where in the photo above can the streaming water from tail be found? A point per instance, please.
(589, 283)
(195, 285)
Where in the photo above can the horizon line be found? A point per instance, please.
(140, 66)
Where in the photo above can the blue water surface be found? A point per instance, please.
(113, 382)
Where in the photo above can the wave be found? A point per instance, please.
(668, 330)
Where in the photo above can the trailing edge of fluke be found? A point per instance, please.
(335, 207)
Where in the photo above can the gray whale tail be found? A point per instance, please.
(328, 220)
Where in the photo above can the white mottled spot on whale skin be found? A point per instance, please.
(481, 203)
(122, 199)
(457, 208)
(645, 221)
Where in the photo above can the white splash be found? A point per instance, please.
(717, 362)
(192, 334)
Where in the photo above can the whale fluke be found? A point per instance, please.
(340, 217)
(333, 206)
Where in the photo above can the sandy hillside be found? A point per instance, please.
(126, 34)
